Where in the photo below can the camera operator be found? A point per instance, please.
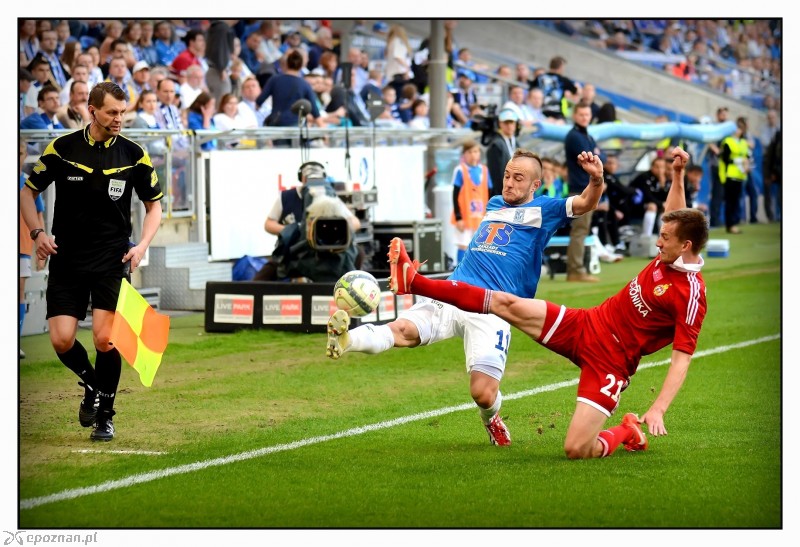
(287, 217)
(501, 147)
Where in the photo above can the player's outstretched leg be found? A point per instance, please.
(638, 440)
(402, 269)
(338, 337)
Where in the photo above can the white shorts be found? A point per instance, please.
(486, 337)
(25, 266)
(463, 238)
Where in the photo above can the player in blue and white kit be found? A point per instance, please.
(505, 254)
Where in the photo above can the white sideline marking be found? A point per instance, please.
(141, 478)
(136, 452)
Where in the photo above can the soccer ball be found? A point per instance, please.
(357, 293)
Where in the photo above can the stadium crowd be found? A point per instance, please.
(245, 73)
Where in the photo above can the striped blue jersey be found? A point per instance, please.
(505, 253)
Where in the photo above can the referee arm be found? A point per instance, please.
(152, 220)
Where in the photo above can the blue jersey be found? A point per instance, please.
(505, 253)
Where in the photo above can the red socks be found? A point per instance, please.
(461, 295)
(612, 437)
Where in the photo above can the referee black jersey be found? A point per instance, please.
(94, 183)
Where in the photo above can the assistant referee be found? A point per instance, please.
(95, 171)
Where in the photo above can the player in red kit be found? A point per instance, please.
(665, 304)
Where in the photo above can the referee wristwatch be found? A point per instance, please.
(35, 233)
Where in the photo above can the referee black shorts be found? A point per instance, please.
(69, 293)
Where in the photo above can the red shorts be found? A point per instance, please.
(604, 373)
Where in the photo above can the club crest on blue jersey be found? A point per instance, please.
(519, 216)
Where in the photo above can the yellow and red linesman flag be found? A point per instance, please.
(139, 333)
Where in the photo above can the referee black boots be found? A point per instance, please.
(104, 430)
(88, 409)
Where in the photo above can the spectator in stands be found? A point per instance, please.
(48, 40)
(112, 32)
(193, 86)
(270, 48)
(145, 46)
(69, 56)
(132, 33)
(420, 119)
(119, 48)
(251, 89)
(465, 58)
(353, 106)
(523, 75)
(64, 37)
(533, 108)
(589, 95)
(505, 72)
(734, 165)
(694, 175)
(94, 51)
(329, 62)
(389, 95)
(251, 53)
(408, 95)
(772, 126)
(140, 77)
(556, 87)
(577, 141)
(169, 117)
(373, 85)
(619, 203)
(553, 185)
(193, 55)
(717, 191)
(516, 102)
(75, 114)
(217, 54)
(501, 148)
(286, 89)
(118, 73)
(157, 73)
(323, 43)
(358, 76)
(28, 42)
(168, 46)
(619, 41)
(80, 73)
(200, 115)
(293, 40)
(320, 85)
(651, 192)
(45, 116)
(87, 58)
(26, 80)
(466, 99)
(40, 69)
(398, 58)
(146, 108)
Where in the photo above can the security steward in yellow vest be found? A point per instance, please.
(733, 168)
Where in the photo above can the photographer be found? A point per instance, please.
(501, 147)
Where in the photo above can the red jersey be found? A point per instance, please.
(665, 304)
(182, 61)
